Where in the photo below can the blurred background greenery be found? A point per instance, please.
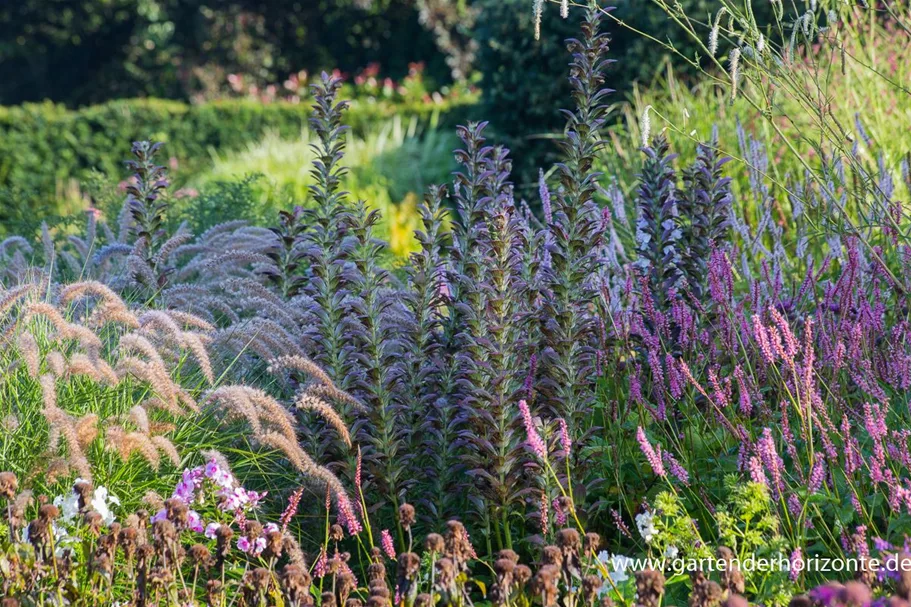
(224, 83)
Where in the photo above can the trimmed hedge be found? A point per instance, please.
(45, 146)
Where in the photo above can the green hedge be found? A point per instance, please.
(44, 147)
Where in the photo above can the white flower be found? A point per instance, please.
(68, 505)
(620, 564)
(616, 565)
(101, 501)
(646, 524)
(671, 552)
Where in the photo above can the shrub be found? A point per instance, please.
(522, 78)
(177, 48)
(45, 147)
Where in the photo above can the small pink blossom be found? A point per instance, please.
(194, 521)
(388, 546)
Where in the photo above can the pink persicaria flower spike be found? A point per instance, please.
(346, 515)
(291, 508)
(322, 564)
(796, 564)
(535, 442)
(565, 442)
(653, 457)
(676, 468)
(545, 522)
(559, 514)
(388, 546)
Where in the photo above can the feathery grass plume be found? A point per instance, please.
(155, 376)
(309, 402)
(128, 443)
(65, 330)
(272, 412)
(321, 386)
(86, 430)
(28, 350)
(235, 403)
(56, 363)
(62, 424)
(658, 233)
(303, 462)
(423, 301)
(576, 235)
(166, 447)
(196, 344)
(704, 207)
(9, 298)
(111, 309)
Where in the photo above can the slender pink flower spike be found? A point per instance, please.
(565, 442)
(653, 457)
(534, 439)
(388, 546)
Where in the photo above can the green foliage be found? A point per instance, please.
(220, 201)
(47, 150)
(389, 166)
(748, 525)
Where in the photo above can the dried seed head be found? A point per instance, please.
(649, 587)
(569, 539)
(592, 542)
(434, 543)
(504, 567)
(591, 584)
(552, 555)
(406, 515)
(522, 574)
(8, 485)
(48, 513)
(409, 565)
(544, 584)
(200, 556)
